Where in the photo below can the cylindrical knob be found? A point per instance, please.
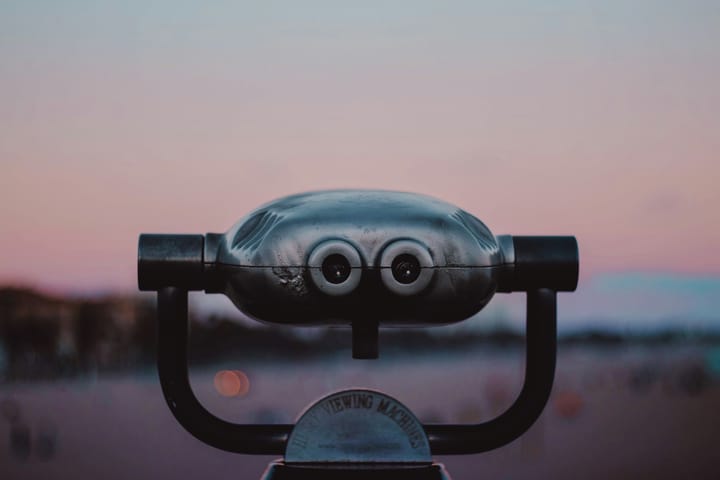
(545, 262)
(170, 261)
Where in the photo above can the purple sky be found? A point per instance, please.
(594, 119)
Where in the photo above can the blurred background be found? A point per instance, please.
(593, 119)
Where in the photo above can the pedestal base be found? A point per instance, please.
(281, 471)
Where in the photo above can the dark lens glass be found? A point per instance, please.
(336, 268)
(405, 268)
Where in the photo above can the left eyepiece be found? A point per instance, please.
(170, 261)
(335, 267)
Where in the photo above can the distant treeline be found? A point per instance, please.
(43, 336)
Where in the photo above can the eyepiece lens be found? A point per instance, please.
(405, 268)
(336, 268)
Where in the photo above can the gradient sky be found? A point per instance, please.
(598, 119)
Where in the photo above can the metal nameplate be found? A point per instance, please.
(358, 426)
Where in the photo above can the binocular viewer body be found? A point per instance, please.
(346, 256)
(363, 258)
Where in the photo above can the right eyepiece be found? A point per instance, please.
(335, 267)
(406, 267)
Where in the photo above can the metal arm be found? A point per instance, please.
(541, 342)
(173, 371)
(271, 439)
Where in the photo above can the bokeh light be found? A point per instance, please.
(232, 383)
(568, 404)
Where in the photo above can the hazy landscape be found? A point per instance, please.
(90, 405)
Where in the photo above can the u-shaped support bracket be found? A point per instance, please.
(541, 326)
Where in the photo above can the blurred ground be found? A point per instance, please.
(615, 412)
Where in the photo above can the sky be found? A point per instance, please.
(594, 119)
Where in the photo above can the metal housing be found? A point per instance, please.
(269, 263)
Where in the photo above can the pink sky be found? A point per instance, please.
(124, 120)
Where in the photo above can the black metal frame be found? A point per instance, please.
(541, 327)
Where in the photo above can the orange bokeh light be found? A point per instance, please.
(568, 404)
(232, 383)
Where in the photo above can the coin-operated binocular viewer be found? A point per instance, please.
(365, 259)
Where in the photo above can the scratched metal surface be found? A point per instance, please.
(358, 426)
